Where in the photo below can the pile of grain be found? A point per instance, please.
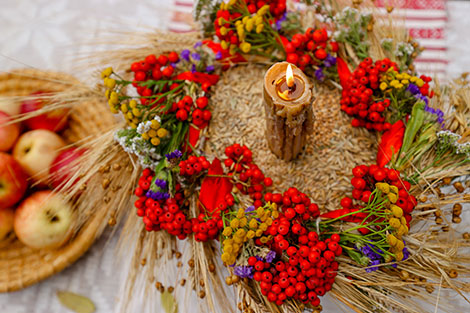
(323, 170)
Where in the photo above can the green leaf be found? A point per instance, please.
(169, 302)
(76, 302)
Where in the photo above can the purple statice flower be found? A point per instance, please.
(160, 183)
(175, 64)
(196, 56)
(210, 68)
(329, 60)
(193, 68)
(319, 74)
(218, 55)
(278, 23)
(185, 54)
(406, 253)
(437, 112)
(375, 258)
(174, 155)
(419, 96)
(197, 44)
(251, 208)
(157, 195)
(270, 256)
(243, 271)
(413, 89)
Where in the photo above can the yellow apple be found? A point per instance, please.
(36, 150)
(44, 220)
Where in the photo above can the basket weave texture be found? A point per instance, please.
(21, 266)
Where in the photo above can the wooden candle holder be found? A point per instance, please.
(288, 122)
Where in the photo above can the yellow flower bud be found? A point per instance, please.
(133, 104)
(110, 83)
(258, 20)
(402, 230)
(399, 256)
(240, 213)
(405, 81)
(250, 234)
(106, 72)
(394, 222)
(235, 223)
(263, 10)
(227, 241)
(113, 98)
(394, 189)
(124, 108)
(275, 214)
(392, 240)
(243, 222)
(253, 224)
(245, 19)
(135, 120)
(238, 23)
(398, 86)
(145, 136)
(162, 132)
(228, 248)
(260, 211)
(136, 112)
(263, 226)
(227, 231)
(396, 211)
(383, 187)
(107, 93)
(259, 232)
(236, 247)
(403, 220)
(155, 141)
(413, 79)
(269, 221)
(238, 239)
(223, 31)
(155, 124)
(383, 86)
(419, 83)
(224, 45)
(263, 218)
(249, 25)
(264, 239)
(225, 256)
(259, 28)
(399, 76)
(392, 197)
(129, 115)
(240, 233)
(133, 125)
(233, 49)
(232, 2)
(152, 133)
(394, 82)
(400, 245)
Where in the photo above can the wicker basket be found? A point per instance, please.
(21, 266)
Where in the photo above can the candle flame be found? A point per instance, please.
(289, 77)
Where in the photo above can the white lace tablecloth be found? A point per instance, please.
(49, 34)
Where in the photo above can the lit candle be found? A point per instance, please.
(288, 104)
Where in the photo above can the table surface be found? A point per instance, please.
(50, 34)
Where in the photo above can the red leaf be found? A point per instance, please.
(214, 189)
(390, 143)
(343, 71)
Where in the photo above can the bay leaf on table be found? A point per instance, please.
(76, 302)
(169, 303)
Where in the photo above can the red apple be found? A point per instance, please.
(13, 181)
(55, 120)
(10, 106)
(63, 167)
(6, 223)
(36, 150)
(44, 220)
(8, 132)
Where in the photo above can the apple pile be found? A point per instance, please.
(33, 158)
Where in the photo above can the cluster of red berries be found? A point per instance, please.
(310, 48)
(277, 8)
(309, 272)
(187, 109)
(364, 180)
(357, 95)
(193, 166)
(160, 214)
(154, 68)
(295, 206)
(252, 180)
(205, 228)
